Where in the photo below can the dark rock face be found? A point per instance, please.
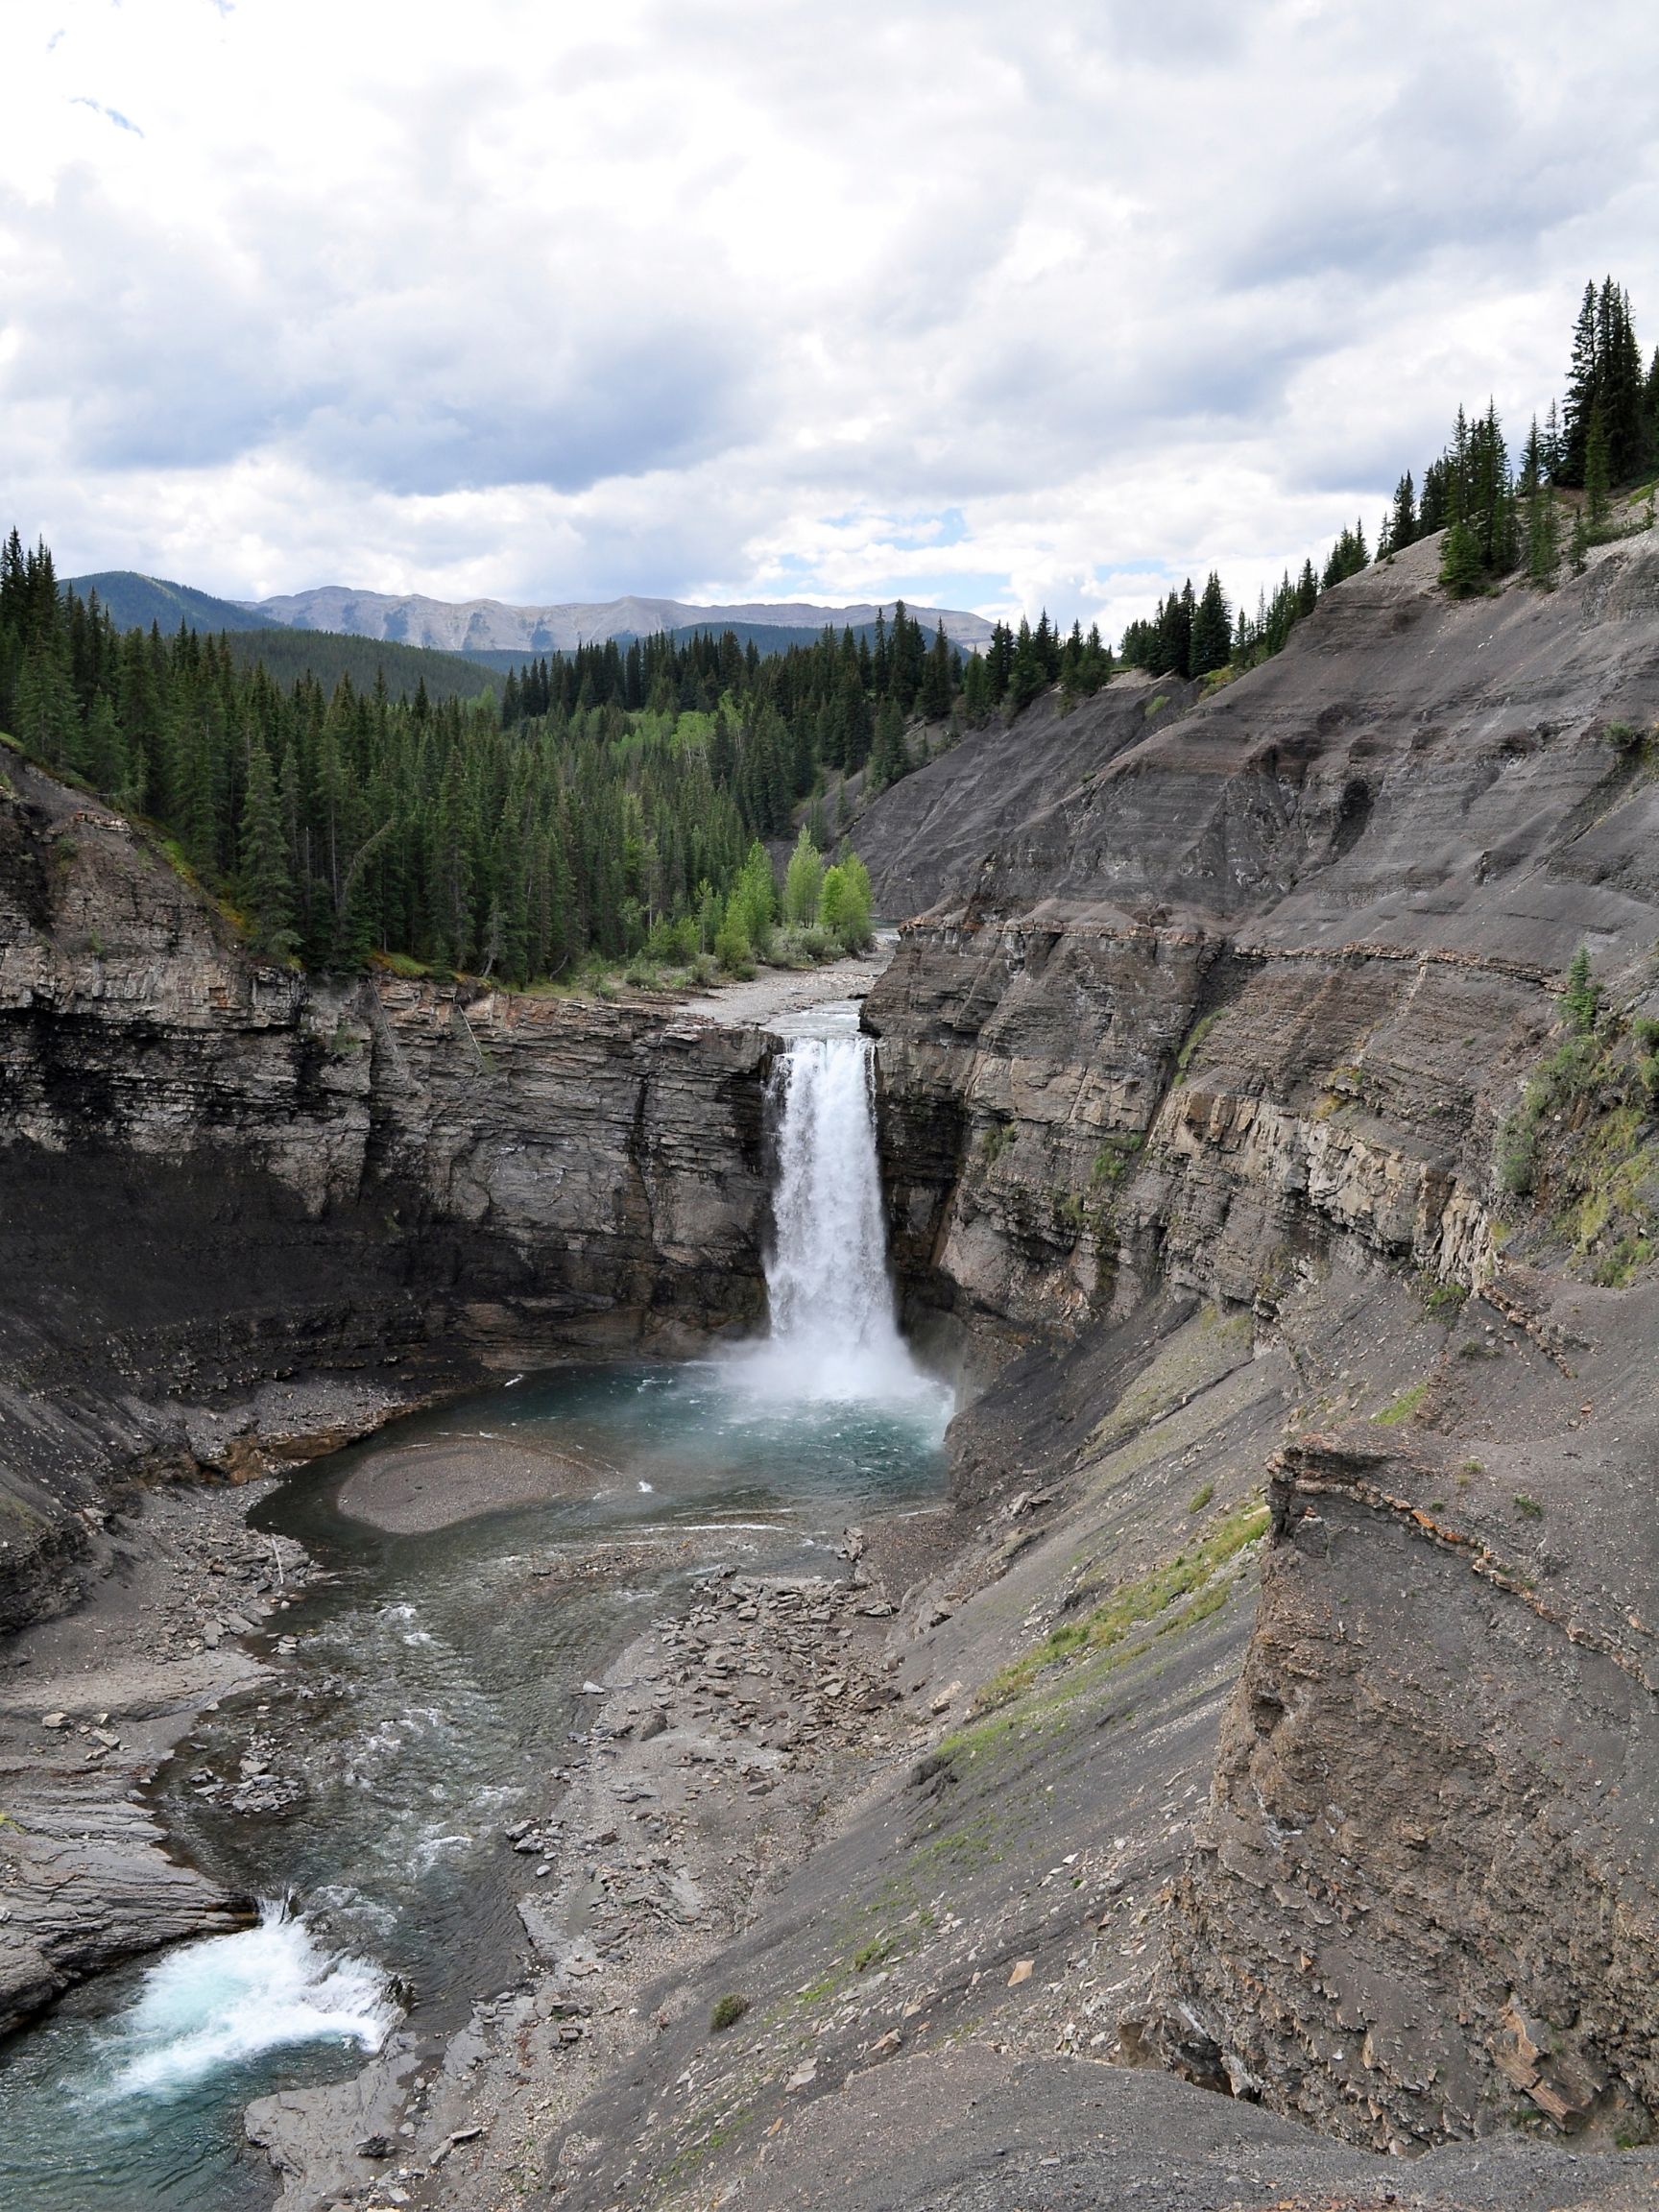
(216, 1174)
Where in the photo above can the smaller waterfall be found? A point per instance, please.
(834, 1329)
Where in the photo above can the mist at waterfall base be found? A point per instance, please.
(834, 1329)
(437, 1678)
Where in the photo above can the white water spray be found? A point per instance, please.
(834, 1329)
(225, 2001)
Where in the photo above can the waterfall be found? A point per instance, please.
(834, 1329)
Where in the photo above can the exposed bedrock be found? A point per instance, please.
(1237, 1013)
(1424, 1899)
(218, 1176)
(1270, 974)
(1193, 1075)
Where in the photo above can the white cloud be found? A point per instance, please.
(759, 297)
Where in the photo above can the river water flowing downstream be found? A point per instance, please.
(436, 1675)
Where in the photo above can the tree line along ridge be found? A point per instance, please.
(616, 804)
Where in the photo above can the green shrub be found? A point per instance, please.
(732, 949)
(727, 2011)
(672, 941)
(844, 905)
(1193, 1037)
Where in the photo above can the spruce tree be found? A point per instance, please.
(1212, 629)
(888, 758)
(976, 690)
(1583, 383)
(1028, 669)
(936, 685)
(1597, 473)
(1461, 571)
(1403, 515)
(1578, 545)
(267, 887)
(1543, 539)
(1620, 394)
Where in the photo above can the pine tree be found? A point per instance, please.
(1552, 450)
(722, 749)
(1401, 517)
(976, 690)
(1596, 476)
(888, 758)
(1543, 539)
(1583, 384)
(936, 685)
(1028, 669)
(1460, 567)
(1212, 640)
(1621, 392)
(1581, 999)
(1578, 545)
(1094, 669)
(267, 887)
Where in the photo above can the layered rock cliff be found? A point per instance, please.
(215, 1176)
(1284, 1720)
(1250, 1011)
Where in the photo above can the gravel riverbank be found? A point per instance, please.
(717, 1749)
(90, 1706)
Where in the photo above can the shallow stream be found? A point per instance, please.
(435, 1680)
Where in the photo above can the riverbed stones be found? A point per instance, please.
(84, 1872)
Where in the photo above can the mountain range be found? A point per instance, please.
(489, 628)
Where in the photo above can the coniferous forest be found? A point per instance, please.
(1501, 514)
(615, 803)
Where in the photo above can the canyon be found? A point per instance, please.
(1263, 1810)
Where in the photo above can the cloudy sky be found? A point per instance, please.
(993, 307)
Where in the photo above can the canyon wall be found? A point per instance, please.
(221, 1183)
(1240, 1014)
(1196, 1067)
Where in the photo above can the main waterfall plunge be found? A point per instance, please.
(834, 1335)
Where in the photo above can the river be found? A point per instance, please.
(435, 1677)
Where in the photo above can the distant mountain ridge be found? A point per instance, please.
(133, 602)
(490, 629)
(491, 626)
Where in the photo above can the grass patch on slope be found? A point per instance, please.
(1153, 1602)
(1583, 1142)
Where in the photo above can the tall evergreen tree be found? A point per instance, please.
(267, 885)
(1597, 470)
(1212, 638)
(1401, 529)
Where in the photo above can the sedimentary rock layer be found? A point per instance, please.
(217, 1173)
